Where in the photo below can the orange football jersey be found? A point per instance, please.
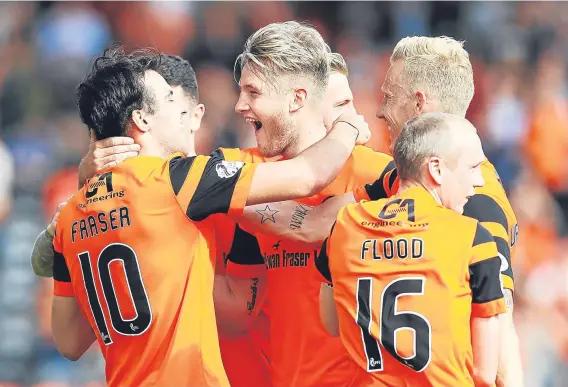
(302, 352)
(245, 358)
(408, 274)
(489, 205)
(136, 248)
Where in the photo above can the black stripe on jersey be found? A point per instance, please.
(485, 281)
(486, 209)
(213, 193)
(218, 153)
(393, 177)
(179, 169)
(376, 190)
(505, 250)
(482, 235)
(245, 249)
(322, 262)
(60, 270)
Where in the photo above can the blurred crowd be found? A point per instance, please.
(519, 53)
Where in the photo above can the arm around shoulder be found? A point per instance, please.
(310, 171)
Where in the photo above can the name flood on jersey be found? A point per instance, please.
(92, 225)
(389, 248)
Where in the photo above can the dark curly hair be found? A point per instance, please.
(114, 88)
(178, 72)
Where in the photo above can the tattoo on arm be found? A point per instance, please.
(299, 216)
(267, 214)
(253, 290)
(508, 295)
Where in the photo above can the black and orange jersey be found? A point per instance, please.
(408, 274)
(136, 248)
(246, 357)
(302, 352)
(489, 205)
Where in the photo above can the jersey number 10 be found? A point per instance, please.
(392, 321)
(139, 298)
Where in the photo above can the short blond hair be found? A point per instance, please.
(337, 63)
(426, 135)
(441, 67)
(287, 48)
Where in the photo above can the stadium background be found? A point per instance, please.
(519, 53)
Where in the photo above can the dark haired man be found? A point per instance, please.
(132, 237)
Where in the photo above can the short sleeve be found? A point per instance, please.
(61, 278)
(384, 187)
(485, 276)
(245, 258)
(206, 185)
(322, 260)
(491, 216)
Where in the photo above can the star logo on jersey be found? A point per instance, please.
(267, 214)
(226, 169)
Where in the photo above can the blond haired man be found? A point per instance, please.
(289, 105)
(394, 270)
(428, 74)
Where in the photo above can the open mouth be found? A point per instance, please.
(257, 125)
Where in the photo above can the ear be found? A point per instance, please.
(300, 97)
(434, 165)
(196, 117)
(420, 102)
(140, 120)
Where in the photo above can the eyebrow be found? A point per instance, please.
(250, 86)
(171, 93)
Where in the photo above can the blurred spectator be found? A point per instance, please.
(6, 181)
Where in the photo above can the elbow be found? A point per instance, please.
(484, 378)
(69, 347)
(70, 352)
(234, 327)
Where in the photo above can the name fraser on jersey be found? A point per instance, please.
(90, 226)
(287, 259)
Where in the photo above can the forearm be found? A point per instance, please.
(71, 331)
(325, 159)
(237, 302)
(287, 220)
(294, 221)
(306, 174)
(484, 334)
(510, 371)
(42, 255)
(328, 311)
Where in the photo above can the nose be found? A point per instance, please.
(478, 180)
(241, 106)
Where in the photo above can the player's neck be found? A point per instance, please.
(310, 132)
(148, 147)
(407, 184)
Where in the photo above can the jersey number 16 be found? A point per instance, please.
(391, 321)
